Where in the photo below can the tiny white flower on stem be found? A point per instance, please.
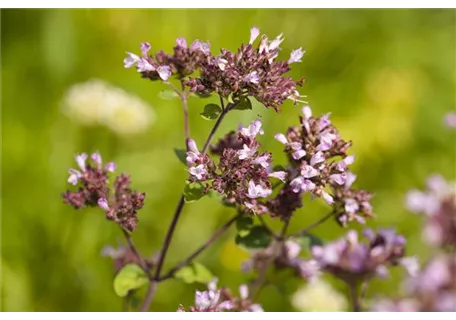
(257, 191)
(351, 206)
(81, 161)
(243, 292)
(298, 154)
(204, 47)
(110, 166)
(279, 175)
(254, 33)
(164, 72)
(327, 197)
(281, 138)
(96, 157)
(351, 177)
(74, 177)
(340, 179)
(103, 204)
(144, 65)
(262, 161)
(145, 47)
(292, 248)
(252, 77)
(181, 42)
(199, 171)
(252, 130)
(264, 46)
(317, 158)
(306, 112)
(130, 60)
(324, 121)
(276, 42)
(221, 63)
(296, 56)
(309, 172)
(246, 152)
(344, 163)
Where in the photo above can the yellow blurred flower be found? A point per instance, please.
(318, 296)
(95, 102)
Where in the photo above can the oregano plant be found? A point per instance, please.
(242, 175)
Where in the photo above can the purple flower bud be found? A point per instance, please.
(317, 158)
(342, 164)
(144, 65)
(296, 184)
(324, 121)
(130, 60)
(145, 47)
(110, 166)
(296, 56)
(281, 138)
(191, 144)
(81, 161)
(279, 175)
(298, 154)
(252, 77)
(254, 33)
(437, 185)
(199, 171)
(295, 145)
(326, 140)
(309, 172)
(262, 161)
(351, 206)
(181, 42)
(327, 197)
(164, 72)
(309, 269)
(96, 157)
(103, 204)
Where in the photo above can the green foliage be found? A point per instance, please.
(181, 155)
(194, 272)
(257, 237)
(309, 240)
(193, 191)
(243, 104)
(211, 111)
(131, 277)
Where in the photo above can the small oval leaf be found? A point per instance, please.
(195, 272)
(193, 191)
(211, 111)
(243, 104)
(131, 277)
(256, 238)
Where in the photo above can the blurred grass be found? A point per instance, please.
(387, 76)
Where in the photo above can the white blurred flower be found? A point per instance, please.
(318, 296)
(96, 102)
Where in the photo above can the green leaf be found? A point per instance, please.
(309, 240)
(243, 225)
(257, 237)
(195, 272)
(243, 104)
(193, 191)
(131, 277)
(181, 155)
(211, 111)
(168, 95)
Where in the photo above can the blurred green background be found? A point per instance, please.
(387, 76)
